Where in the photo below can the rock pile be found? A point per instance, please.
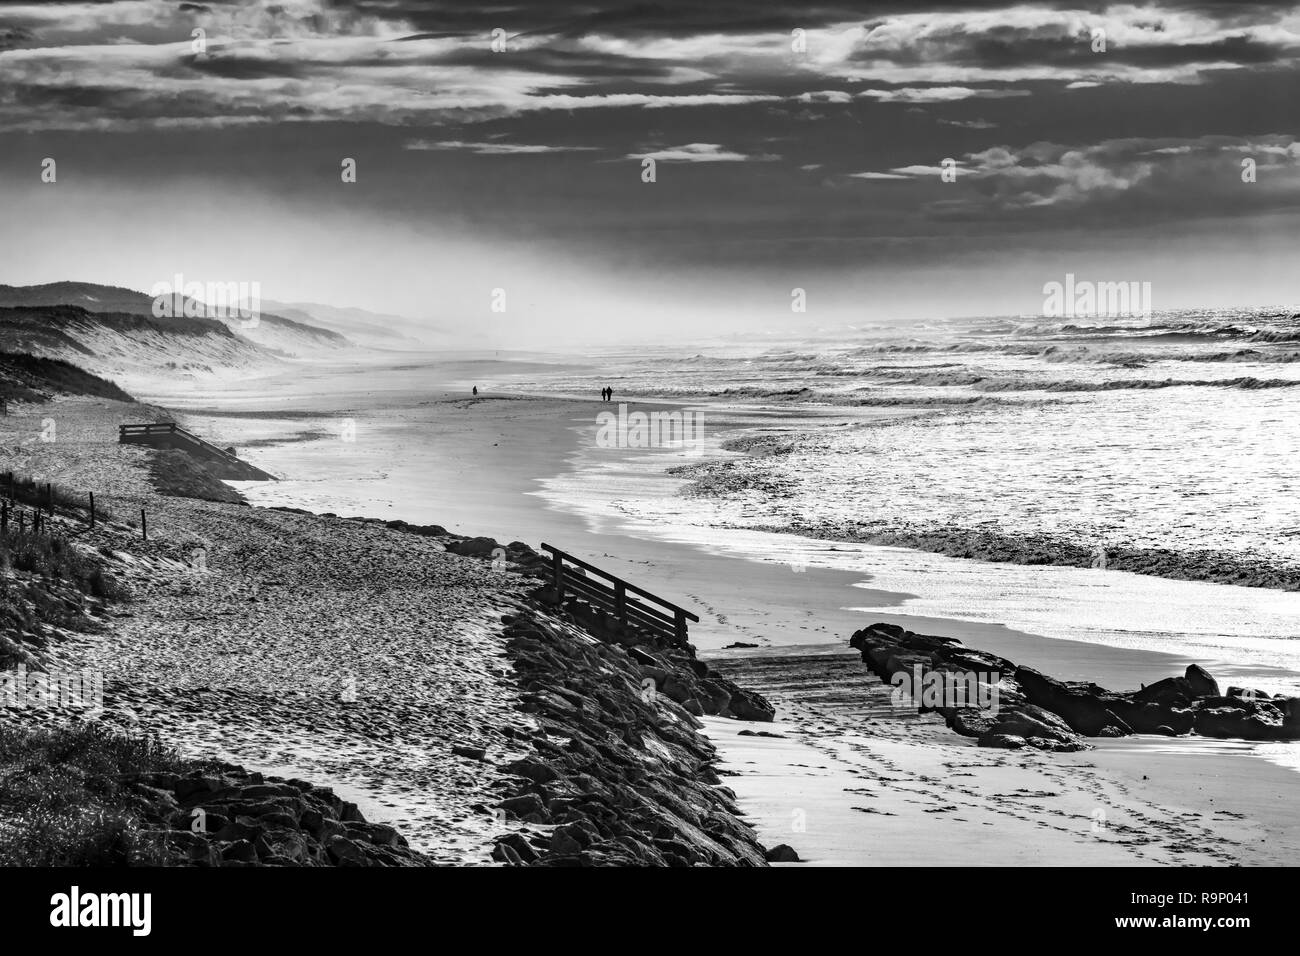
(618, 765)
(1039, 711)
(227, 816)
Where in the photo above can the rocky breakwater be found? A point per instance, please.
(619, 773)
(1035, 710)
(223, 815)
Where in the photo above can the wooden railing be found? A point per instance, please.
(632, 605)
(170, 432)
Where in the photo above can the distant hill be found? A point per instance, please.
(126, 345)
(30, 378)
(273, 331)
(374, 329)
(88, 295)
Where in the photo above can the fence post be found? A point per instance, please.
(620, 601)
(679, 618)
(144, 526)
(557, 565)
(92, 509)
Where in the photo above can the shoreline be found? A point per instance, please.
(372, 658)
(800, 610)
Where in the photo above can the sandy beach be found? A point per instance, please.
(494, 468)
(328, 650)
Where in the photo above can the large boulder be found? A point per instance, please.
(1031, 721)
(1086, 708)
(746, 705)
(1200, 683)
(474, 547)
(1236, 722)
(1170, 692)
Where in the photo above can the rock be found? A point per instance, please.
(1249, 693)
(187, 787)
(563, 841)
(521, 847)
(474, 547)
(1085, 708)
(344, 852)
(745, 705)
(1200, 683)
(379, 834)
(1236, 722)
(242, 850)
(1006, 741)
(1170, 692)
(643, 657)
(714, 696)
(471, 753)
(532, 769)
(506, 854)
(524, 805)
(1033, 721)
(971, 721)
(782, 853)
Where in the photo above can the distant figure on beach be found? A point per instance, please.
(475, 389)
(609, 394)
(604, 394)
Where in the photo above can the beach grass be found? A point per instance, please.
(65, 797)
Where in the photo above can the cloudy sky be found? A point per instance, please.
(795, 146)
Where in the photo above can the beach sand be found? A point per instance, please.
(334, 651)
(894, 790)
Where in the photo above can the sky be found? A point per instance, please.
(795, 146)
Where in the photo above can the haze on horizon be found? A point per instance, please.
(777, 168)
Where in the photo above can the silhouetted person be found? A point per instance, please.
(611, 393)
(475, 389)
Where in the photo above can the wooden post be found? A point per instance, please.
(620, 601)
(680, 617)
(557, 566)
(92, 510)
(49, 497)
(144, 526)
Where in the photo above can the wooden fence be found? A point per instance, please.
(632, 605)
(172, 435)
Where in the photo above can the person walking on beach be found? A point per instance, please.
(475, 389)
(610, 392)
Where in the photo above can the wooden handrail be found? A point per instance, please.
(171, 428)
(614, 596)
(605, 574)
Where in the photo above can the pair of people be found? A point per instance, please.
(606, 394)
